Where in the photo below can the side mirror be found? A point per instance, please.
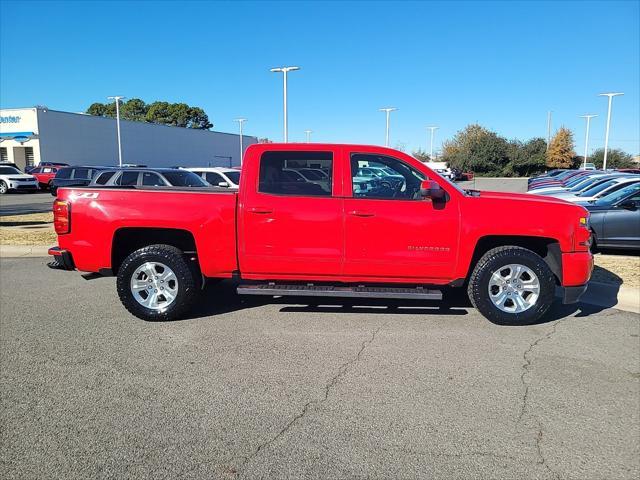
(431, 189)
(223, 184)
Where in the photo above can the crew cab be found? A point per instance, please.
(280, 236)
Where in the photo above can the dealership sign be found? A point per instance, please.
(10, 119)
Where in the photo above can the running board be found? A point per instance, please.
(310, 290)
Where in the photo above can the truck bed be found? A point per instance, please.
(98, 215)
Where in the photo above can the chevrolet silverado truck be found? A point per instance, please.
(282, 234)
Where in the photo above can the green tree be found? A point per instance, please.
(478, 150)
(421, 155)
(134, 109)
(163, 113)
(526, 159)
(615, 159)
(560, 153)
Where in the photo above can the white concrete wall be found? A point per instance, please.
(20, 120)
(83, 139)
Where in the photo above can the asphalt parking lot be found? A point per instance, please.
(250, 389)
(22, 203)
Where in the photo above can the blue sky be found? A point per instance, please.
(501, 64)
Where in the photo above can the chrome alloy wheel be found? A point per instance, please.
(154, 285)
(514, 288)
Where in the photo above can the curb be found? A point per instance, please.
(16, 251)
(613, 296)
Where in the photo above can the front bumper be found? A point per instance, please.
(13, 185)
(573, 294)
(63, 259)
(576, 268)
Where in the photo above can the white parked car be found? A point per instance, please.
(13, 179)
(218, 176)
(599, 190)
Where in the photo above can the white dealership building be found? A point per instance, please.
(29, 136)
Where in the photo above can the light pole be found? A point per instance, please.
(387, 111)
(240, 122)
(433, 128)
(284, 71)
(549, 128)
(586, 140)
(606, 135)
(308, 133)
(117, 99)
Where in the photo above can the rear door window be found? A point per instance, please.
(279, 173)
(214, 178)
(64, 173)
(151, 179)
(81, 173)
(104, 177)
(127, 179)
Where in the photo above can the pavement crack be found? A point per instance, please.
(342, 370)
(526, 367)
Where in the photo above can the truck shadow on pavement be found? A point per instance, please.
(222, 298)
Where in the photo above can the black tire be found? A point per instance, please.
(3, 187)
(188, 278)
(594, 242)
(492, 261)
(54, 190)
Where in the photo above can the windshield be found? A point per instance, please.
(183, 178)
(598, 188)
(621, 194)
(9, 171)
(234, 177)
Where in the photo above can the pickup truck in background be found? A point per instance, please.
(283, 234)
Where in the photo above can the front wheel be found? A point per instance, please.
(157, 283)
(3, 187)
(512, 285)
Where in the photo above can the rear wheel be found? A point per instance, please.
(512, 285)
(157, 283)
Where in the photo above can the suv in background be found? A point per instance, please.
(148, 177)
(218, 176)
(76, 176)
(11, 178)
(44, 174)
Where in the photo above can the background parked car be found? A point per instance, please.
(44, 175)
(13, 179)
(219, 176)
(615, 219)
(47, 164)
(76, 176)
(148, 177)
(600, 190)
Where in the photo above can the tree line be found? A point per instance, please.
(479, 150)
(162, 113)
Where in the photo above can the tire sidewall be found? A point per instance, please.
(479, 291)
(173, 260)
(4, 188)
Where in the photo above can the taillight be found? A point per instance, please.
(61, 216)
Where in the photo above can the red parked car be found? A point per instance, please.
(44, 175)
(282, 234)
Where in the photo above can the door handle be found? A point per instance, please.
(360, 213)
(261, 210)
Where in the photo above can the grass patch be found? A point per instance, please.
(31, 229)
(617, 270)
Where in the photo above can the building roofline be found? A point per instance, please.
(84, 115)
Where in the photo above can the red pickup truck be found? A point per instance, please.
(304, 222)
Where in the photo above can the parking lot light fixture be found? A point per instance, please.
(308, 133)
(433, 128)
(284, 71)
(387, 111)
(117, 99)
(606, 135)
(586, 140)
(549, 128)
(240, 123)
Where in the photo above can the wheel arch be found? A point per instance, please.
(129, 239)
(546, 247)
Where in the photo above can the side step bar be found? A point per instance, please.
(310, 290)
